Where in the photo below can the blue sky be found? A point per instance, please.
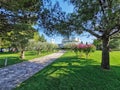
(67, 7)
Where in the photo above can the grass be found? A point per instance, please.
(72, 73)
(13, 58)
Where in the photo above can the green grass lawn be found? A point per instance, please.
(14, 57)
(72, 73)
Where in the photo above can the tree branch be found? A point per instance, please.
(117, 26)
(93, 33)
(102, 8)
(117, 31)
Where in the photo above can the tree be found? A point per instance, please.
(19, 37)
(101, 18)
(18, 16)
(41, 46)
(28, 12)
(115, 44)
(13, 12)
(38, 37)
(4, 25)
(24, 12)
(98, 44)
(4, 44)
(42, 38)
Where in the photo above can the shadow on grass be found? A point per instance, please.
(10, 60)
(71, 73)
(2, 53)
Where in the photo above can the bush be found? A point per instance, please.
(41, 46)
(81, 48)
(70, 46)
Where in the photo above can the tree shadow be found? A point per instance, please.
(1, 53)
(71, 73)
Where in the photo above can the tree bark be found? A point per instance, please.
(39, 52)
(105, 64)
(22, 54)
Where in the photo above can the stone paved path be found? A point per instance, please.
(13, 75)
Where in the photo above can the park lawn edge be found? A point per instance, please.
(18, 60)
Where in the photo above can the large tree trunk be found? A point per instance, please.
(105, 54)
(22, 54)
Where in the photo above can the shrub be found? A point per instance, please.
(70, 46)
(80, 48)
(41, 46)
(88, 49)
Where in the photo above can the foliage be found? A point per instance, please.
(17, 12)
(41, 46)
(80, 48)
(51, 47)
(41, 12)
(96, 17)
(50, 19)
(27, 5)
(98, 44)
(115, 44)
(4, 25)
(38, 37)
(70, 46)
(86, 48)
(4, 43)
(19, 37)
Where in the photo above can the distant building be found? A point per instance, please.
(70, 40)
(60, 45)
(52, 41)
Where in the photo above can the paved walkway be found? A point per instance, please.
(13, 75)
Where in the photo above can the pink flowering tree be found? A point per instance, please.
(80, 48)
(84, 49)
(88, 48)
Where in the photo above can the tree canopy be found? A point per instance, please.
(25, 12)
(14, 13)
(101, 18)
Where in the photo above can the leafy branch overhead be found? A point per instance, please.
(101, 18)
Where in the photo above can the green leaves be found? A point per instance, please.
(37, 37)
(41, 46)
(99, 18)
(27, 5)
(115, 44)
